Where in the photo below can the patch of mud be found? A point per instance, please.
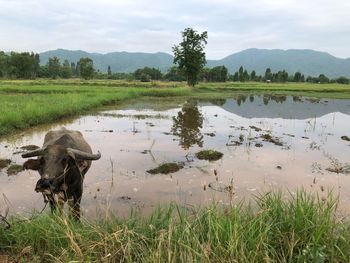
(259, 145)
(345, 138)
(150, 124)
(221, 187)
(125, 198)
(166, 168)
(135, 116)
(339, 170)
(257, 129)
(14, 169)
(210, 155)
(234, 143)
(269, 138)
(4, 163)
(290, 135)
(314, 146)
(338, 167)
(210, 134)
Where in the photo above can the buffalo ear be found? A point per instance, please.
(32, 164)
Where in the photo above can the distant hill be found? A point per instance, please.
(119, 61)
(309, 62)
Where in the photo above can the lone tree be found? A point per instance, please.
(190, 55)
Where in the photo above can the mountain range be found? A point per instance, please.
(308, 62)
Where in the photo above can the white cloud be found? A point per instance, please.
(150, 26)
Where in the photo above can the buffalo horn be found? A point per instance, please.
(37, 152)
(84, 155)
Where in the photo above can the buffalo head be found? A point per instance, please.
(54, 162)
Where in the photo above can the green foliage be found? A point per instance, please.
(218, 74)
(298, 77)
(323, 79)
(166, 168)
(4, 65)
(66, 70)
(145, 77)
(280, 76)
(241, 75)
(86, 68)
(19, 65)
(74, 69)
(175, 74)
(253, 76)
(342, 80)
(210, 155)
(190, 55)
(147, 74)
(54, 66)
(268, 74)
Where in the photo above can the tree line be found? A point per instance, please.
(220, 74)
(26, 65)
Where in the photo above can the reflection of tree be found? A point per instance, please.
(266, 99)
(240, 98)
(276, 98)
(279, 98)
(218, 102)
(187, 125)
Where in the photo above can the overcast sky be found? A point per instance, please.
(151, 26)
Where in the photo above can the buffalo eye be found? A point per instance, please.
(64, 160)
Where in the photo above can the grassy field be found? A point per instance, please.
(301, 228)
(28, 103)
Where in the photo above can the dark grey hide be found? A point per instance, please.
(62, 163)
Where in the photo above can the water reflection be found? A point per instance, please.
(187, 125)
(281, 106)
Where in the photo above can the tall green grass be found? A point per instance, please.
(301, 228)
(21, 110)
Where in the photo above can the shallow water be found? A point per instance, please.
(137, 137)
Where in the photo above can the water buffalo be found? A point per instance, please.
(62, 163)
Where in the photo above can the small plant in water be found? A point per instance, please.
(338, 167)
(210, 155)
(166, 168)
(14, 169)
(4, 163)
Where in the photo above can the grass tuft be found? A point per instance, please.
(210, 155)
(166, 168)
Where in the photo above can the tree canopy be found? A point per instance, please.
(86, 68)
(190, 55)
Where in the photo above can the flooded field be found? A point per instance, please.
(268, 142)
